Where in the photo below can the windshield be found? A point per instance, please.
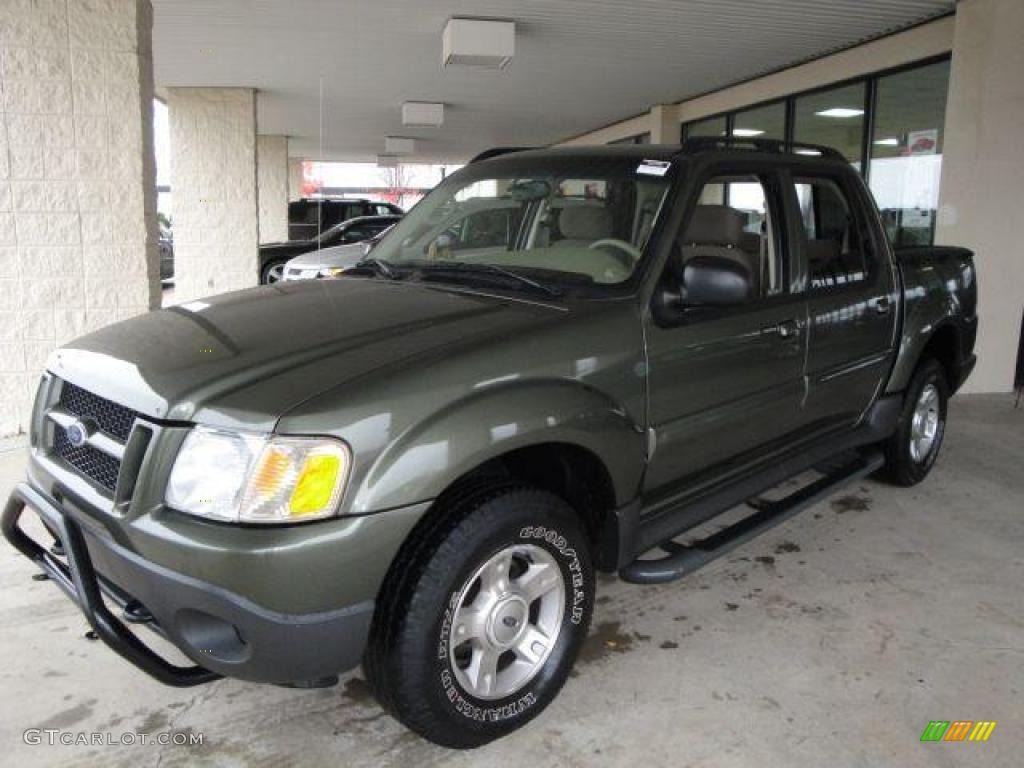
(561, 222)
(332, 232)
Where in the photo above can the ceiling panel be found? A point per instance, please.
(579, 64)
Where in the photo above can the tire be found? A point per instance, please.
(420, 669)
(907, 463)
(272, 272)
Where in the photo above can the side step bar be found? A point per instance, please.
(683, 560)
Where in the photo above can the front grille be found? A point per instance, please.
(114, 419)
(92, 463)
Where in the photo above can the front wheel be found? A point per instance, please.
(272, 273)
(477, 631)
(911, 451)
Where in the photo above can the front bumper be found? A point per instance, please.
(223, 632)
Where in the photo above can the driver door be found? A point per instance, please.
(726, 382)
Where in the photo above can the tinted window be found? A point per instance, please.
(486, 229)
(303, 213)
(835, 253)
(733, 221)
(358, 233)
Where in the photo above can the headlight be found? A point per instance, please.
(256, 478)
(332, 271)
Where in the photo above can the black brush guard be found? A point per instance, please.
(84, 586)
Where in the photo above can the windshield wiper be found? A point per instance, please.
(378, 267)
(493, 270)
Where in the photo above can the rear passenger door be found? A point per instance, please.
(851, 298)
(727, 382)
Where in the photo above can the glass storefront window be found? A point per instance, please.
(767, 122)
(640, 138)
(905, 147)
(906, 151)
(834, 118)
(711, 126)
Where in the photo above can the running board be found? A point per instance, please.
(685, 559)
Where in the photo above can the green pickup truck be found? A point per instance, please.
(419, 466)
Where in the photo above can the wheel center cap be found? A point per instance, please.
(507, 621)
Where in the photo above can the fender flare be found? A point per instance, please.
(430, 455)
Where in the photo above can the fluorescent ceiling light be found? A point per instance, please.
(888, 142)
(746, 132)
(479, 43)
(811, 152)
(396, 145)
(840, 112)
(422, 114)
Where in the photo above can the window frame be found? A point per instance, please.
(866, 233)
(772, 175)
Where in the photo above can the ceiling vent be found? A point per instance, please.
(422, 114)
(479, 43)
(395, 145)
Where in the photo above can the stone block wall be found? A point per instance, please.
(213, 175)
(272, 182)
(77, 180)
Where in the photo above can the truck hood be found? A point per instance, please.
(173, 363)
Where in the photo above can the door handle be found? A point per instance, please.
(787, 329)
(882, 305)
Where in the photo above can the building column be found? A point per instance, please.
(664, 124)
(213, 175)
(982, 170)
(272, 187)
(77, 181)
(295, 178)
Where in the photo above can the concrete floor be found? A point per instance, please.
(833, 640)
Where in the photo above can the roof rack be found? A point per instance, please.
(487, 154)
(776, 146)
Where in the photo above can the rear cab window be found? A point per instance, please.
(834, 242)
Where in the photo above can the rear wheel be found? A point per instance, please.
(479, 626)
(911, 451)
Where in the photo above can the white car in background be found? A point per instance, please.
(329, 262)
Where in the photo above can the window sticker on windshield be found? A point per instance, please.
(653, 167)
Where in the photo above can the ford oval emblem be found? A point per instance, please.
(77, 433)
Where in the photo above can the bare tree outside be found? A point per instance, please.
(396, 180)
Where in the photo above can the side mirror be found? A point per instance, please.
(713, 281)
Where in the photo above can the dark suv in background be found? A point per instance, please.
(308, 217)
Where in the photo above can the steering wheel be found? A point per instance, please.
(630, 251)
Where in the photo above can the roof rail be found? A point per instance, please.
(487, 154)
(777, 146)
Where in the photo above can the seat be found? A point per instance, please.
(717, 230)
(581, 225)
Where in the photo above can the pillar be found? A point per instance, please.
(77, 181)
(272, 186)
(213, 175)
(982, 170)
(295, 178)
(664, 124)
